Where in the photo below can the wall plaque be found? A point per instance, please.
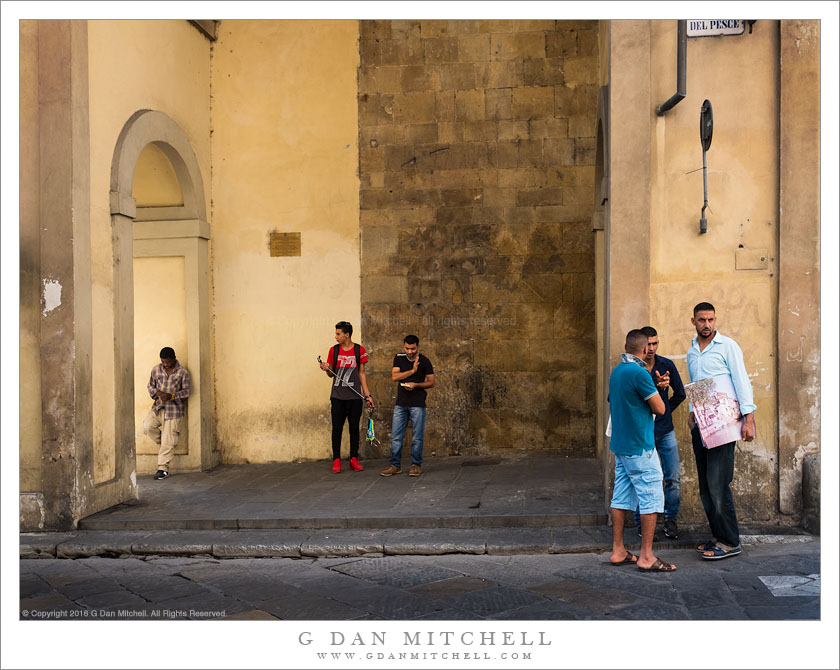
(285, 244)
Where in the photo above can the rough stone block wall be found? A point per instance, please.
(477, 155)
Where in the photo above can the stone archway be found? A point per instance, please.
(163, 232)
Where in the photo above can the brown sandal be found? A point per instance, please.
(629, 559)
(659, 566)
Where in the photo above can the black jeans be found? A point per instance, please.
(715, 469)
(352, 411)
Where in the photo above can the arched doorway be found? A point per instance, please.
(162, 232)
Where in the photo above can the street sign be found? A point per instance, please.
(713, 27)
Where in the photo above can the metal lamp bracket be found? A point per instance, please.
(706, 128)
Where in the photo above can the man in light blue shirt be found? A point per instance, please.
(713, 354)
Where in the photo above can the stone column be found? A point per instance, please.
(64, 225)
(627, 281)
(31, 498)
(628, 235)
(799, 254)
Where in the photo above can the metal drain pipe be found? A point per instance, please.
(680, 94)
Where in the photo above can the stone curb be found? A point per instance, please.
(344, 543)
(472, 522)
(776, 539)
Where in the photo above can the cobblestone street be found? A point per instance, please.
(767, 582)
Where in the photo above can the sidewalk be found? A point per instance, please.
(523, 503)
(522, 490)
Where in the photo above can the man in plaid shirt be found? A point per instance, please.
(169, 386)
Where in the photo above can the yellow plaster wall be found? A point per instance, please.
(160, 320)
(155, 182)
(285, 159)
(739, 76)
(134, 65)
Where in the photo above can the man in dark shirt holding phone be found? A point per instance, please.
(415, 374)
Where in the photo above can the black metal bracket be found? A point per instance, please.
(706, 127)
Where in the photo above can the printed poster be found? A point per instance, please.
(716, 410)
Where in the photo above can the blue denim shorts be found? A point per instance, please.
(638, 481)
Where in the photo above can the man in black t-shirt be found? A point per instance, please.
(415, 374)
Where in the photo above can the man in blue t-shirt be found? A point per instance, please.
(638, 474)
(665, 375)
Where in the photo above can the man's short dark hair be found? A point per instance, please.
(650, 331)
(345, 327)
(703, 307)
(167, 352)
(636, 340)
(411, 339)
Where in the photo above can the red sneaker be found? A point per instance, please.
(337, 465)
(355, 465)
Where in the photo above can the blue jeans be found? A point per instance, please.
(669, 457)
(398, 425)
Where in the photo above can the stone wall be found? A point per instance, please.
(477, 154)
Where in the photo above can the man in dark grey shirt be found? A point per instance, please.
(346, 364)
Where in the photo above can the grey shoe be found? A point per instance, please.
(671, 530)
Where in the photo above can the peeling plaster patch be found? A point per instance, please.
(802, 451)
(794, 313)
(51, 296)
(792, 585)
(32, 512)
(134, 478)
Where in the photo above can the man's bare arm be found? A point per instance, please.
(656, 405)
(398, 376)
